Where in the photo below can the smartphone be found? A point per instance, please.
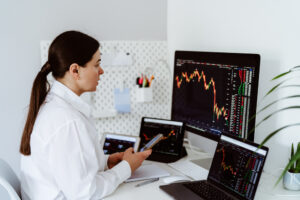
(152, 142)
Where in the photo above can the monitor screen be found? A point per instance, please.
(215, 93)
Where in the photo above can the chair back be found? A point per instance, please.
(9, 181)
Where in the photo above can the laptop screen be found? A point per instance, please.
(237, 166)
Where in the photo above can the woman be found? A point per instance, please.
(61, 155)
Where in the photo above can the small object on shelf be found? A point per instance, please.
(144, 94)
(291, 177)
(291, 181)
(143, 81)
(144, 91)
(122, 100)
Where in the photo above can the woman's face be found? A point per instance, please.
(90, 74)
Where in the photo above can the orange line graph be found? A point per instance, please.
(184, 76)
(163, 138)
(170, 134)
(223, 164)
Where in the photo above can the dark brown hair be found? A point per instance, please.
(67, 48)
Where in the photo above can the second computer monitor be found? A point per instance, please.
(215, 93)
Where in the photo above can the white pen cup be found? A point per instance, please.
(144, 94)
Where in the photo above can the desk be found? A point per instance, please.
(128, 191)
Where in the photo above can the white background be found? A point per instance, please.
(270, 28)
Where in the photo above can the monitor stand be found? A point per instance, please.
(206, 145)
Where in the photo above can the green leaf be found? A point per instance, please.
(281, 75)
(292, 150)
(275, 132)
(283, 98)
(253, 116)
(288, 166)
(292, 154)
(288, 97)
(276, 86)
(295, 68)
(298, 161)
(270, 115)
(277, 111)
(285, 86)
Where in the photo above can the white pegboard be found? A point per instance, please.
(44, 45)
(148, 57)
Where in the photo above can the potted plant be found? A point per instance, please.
(295, 157)
(291, 178)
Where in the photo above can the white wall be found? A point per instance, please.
(270, 28)
(25, 23)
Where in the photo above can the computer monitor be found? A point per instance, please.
(215, 93)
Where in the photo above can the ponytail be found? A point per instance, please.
(39, 92)
(67, 48)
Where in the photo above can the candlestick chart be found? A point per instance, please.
(211, 97)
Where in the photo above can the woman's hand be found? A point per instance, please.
(135, 160)
(114, 159)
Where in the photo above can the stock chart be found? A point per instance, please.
(169, 143)
(212, 97)
(237, 168)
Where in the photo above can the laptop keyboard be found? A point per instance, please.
(206, 191)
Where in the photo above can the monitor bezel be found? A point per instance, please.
(248, 59)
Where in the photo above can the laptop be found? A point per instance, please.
(234, 174)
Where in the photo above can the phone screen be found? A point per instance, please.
(152, 142)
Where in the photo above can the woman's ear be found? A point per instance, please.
(74, 71)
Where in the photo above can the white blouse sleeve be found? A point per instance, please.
(74, 163)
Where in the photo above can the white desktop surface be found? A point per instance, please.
(265, 190)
